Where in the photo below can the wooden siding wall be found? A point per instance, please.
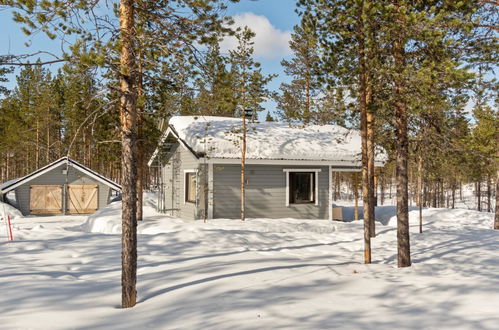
(265, 193)
(172, 174)
(55, 177)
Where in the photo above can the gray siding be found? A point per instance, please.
(265, 193)
(172, 174)
(55, 177)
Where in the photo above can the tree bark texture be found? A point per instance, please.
(356, 195)
(370, 162)
(128, 119)
(420, 192)
(496, 219)
(402, 150)
(364, 136)
(140, 145)
(479, 195)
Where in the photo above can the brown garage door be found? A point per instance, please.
(45, 199)
(82, 198)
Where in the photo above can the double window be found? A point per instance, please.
(190, 184)
(301, 186)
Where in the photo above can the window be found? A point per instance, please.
(190, 187)
(302, 186)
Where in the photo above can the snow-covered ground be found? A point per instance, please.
(64, 273)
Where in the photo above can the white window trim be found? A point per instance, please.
(185, 188)
(316, 170)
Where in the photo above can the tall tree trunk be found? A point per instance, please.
(402, 149)
(128, 118)
(356, 195)
(37, 147)
(420, 192)
(489, 192)
(47, 155)
(460, 190)
(140, 142)
(479, 195)
(243, 173)
(364, 134)
(306, 114)
(382, 187)
(496, 219)
(370, 160)
(453, 194)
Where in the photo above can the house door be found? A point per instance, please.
(82, 199)
(45, 199)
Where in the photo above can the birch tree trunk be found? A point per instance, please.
(128, 119)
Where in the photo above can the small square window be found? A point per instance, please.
(190, 187)
(301, 187)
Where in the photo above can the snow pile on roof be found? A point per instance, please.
(9, 183)
(220, 137)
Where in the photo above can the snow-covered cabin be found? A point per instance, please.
(62, 187)
(288, 168)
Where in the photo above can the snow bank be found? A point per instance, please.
(219, 137)
(108, 219)
(449, 218)
(256, 274)
(9, 210)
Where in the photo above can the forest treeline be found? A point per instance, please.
(74, 111)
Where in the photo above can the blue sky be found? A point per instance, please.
(272, 21)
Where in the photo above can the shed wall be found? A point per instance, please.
(265, 193)
(55, 177)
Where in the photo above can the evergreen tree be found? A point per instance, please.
(162, 27)
(298, 99)
(250, 90)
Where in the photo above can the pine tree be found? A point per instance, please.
(173, 27)
(298, 99)
(250, 86)
(344, 30)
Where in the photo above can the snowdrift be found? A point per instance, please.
(9, 210)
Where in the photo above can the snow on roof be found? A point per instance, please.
(10, 182)
(220, 137)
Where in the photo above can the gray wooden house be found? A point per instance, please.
(288, 169)
(62, 187)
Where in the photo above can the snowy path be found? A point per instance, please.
(260, 274)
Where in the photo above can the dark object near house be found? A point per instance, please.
(62, 187)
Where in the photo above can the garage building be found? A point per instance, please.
(62, 187)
